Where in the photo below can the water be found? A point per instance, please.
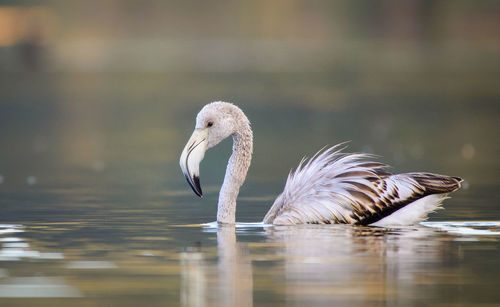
(95, 210)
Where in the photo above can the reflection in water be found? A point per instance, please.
(193, 277)
(230, 285)
(37, 286)
(90, 265)
(321, 265)
(234, 270)
(354, 264)
(249, 264)
(15, 249)
(481, 228)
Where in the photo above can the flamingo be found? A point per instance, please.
(332, 187)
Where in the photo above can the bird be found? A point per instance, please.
(331, 187)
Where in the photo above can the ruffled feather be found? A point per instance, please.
(335, 187)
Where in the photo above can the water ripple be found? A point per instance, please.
(470, 228)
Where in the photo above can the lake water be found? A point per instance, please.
(95, 210)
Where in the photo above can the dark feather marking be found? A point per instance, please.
(389, 209)
(362, 187)
(436, 184)
(361, 196)
(372, 165)
(387, 200)
(340, 221)
(382, 204)
(358, 209)
(382, 173)
(355, 216)
(354, 174)
(394, 192)
(377, 208)
(341, 218)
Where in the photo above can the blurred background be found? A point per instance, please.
(98, 98)
(101, 96)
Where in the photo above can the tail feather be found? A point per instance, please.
(436, 184)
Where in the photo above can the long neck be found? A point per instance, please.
(236, 171)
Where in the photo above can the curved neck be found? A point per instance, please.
(236, 171)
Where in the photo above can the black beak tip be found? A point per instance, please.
(198, 190)
(195, 185)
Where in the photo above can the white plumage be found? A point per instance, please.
(332, 187)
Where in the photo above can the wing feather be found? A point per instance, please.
(335, 187)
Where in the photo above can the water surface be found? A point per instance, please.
(95, 210)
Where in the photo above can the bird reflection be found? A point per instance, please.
(350, 265)
(193, 277)
(227, 283)
(319, 265)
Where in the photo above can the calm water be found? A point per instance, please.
(95, 210)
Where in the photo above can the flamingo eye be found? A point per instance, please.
(210, 124)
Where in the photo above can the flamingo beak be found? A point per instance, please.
(191, 157)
